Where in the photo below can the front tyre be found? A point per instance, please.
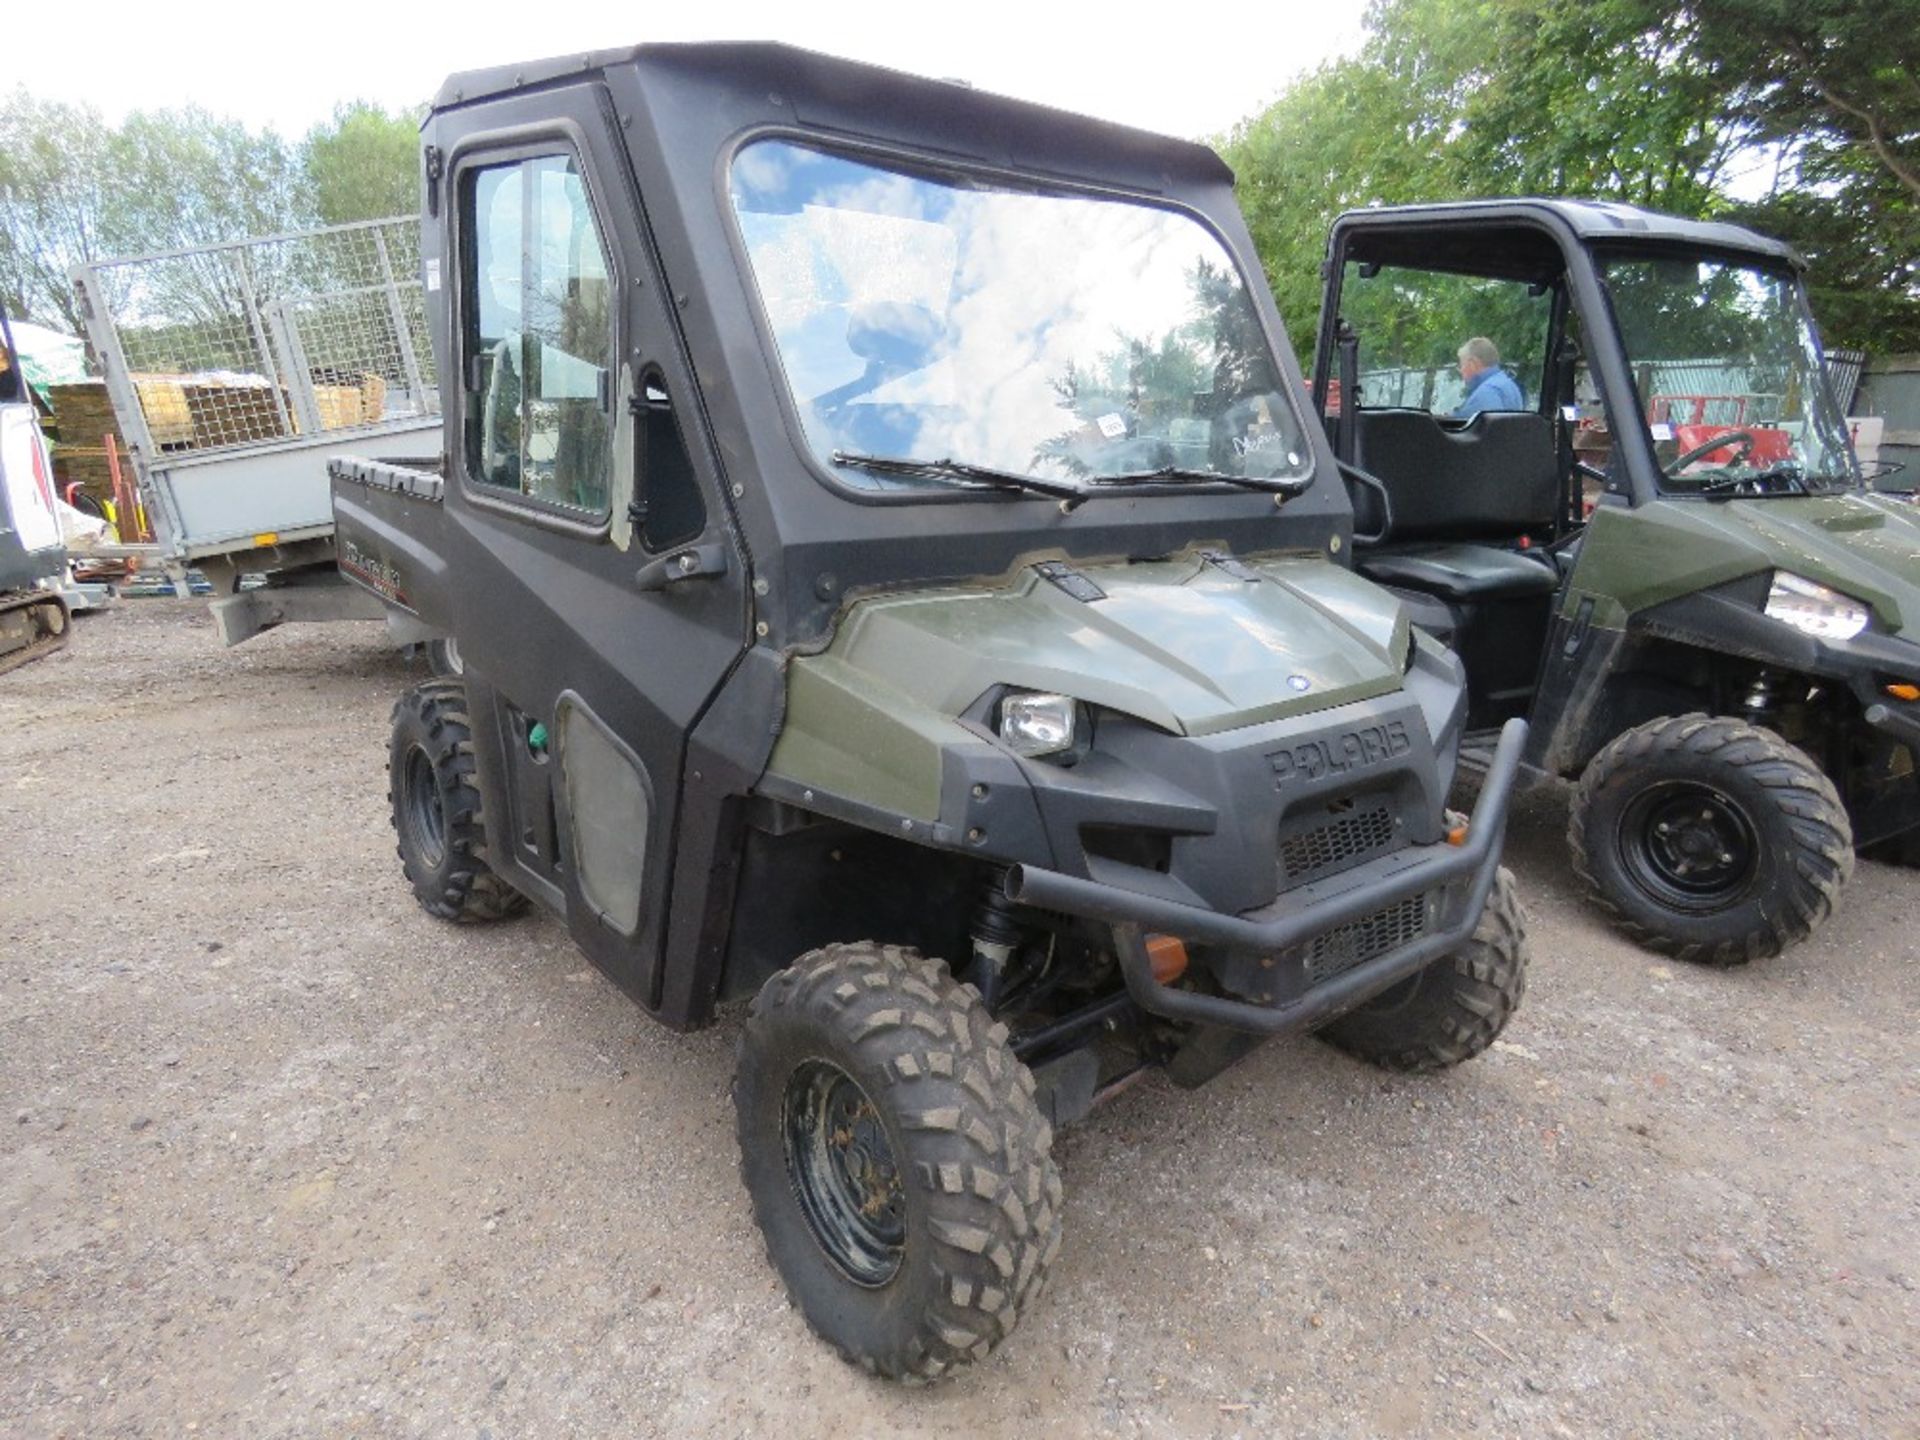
(435, 802)
(895, 1158)
(1454, 1008)
(1707, 839)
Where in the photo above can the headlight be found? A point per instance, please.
(1034, 725)
(1815, 609)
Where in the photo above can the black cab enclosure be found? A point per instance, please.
(595, 205)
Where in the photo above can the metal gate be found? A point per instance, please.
(235, 371)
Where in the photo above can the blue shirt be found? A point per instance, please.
(1491, 389)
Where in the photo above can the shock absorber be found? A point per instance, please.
(996, 936)
(1760, 705)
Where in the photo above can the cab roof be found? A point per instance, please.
(823, 89)
(1389, 228)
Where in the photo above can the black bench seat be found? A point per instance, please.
(1461, 571)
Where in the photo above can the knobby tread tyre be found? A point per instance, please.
(458, 884)
(983, 1194)
(1453, 1009)
(1805, 840)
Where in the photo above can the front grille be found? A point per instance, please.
(1355, 830)
(1352, 944)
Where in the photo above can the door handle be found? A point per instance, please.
(688, 563)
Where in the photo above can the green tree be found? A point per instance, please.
(181, 179)
(1451, 98)
(55, 178)
(364, 164)
(184, 177)
(1336, 139)
(1662, 103)
(73, 189)
(1607, 98)
(1832, 75)
(1834, 87)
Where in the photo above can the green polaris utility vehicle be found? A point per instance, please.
(1595, 450)
(897, 584)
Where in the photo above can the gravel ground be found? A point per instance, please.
(280, 1155)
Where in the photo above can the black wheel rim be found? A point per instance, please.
(426, 817)
(840, 1160)
(1689, 847)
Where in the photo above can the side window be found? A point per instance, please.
(538, 343)
(1450, 344)
(670, 511)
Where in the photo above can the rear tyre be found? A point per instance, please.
(897, 1163)
(443, 658)
(435, 803)
(1707, 839)
(1453, 1009)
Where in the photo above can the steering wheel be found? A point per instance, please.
(1744, 439)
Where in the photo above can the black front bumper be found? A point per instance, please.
(1902, 724)
(1463, 874)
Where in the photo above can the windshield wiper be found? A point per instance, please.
(983, 477)
(1728, 486)
(1287, 485)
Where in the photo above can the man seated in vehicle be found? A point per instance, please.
(1488, 386)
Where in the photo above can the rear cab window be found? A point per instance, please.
(1413, 325)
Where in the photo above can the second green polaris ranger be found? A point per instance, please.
(1595, 448)
(897, 586)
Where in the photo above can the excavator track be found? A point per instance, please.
(31, 625)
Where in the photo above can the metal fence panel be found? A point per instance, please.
(236, 370)
(1844, 368)
(264, 340)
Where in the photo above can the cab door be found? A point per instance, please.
(598, 595)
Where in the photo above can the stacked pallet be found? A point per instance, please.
(204, 412)
(84, 417)
(345, 401)
(84, 412)
(229, 410)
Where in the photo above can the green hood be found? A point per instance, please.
(1862, 544)
(1865, 545)
(1182, 644)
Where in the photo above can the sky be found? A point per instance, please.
(1188, 72)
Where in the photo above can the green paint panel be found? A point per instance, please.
(850, 733)
(1864, 545)
(1179, 643)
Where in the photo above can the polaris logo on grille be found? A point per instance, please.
(1336, 754)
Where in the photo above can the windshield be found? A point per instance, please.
(1043, 334)
(1730, 382)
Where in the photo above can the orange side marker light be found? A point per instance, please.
(1168, 957)
(1904, 691)
(1457, 835)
